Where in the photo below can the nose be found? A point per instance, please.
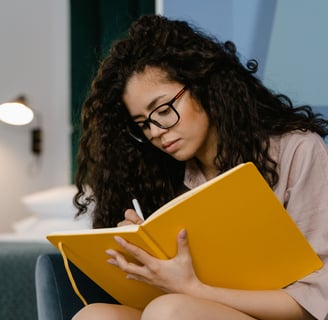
(156, 131)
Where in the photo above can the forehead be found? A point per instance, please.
(150, 76)
(142, 88)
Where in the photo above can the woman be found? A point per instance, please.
(169, 109)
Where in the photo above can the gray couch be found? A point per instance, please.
(56, 299)
(17, 278)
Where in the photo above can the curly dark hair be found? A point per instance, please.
(113, 169)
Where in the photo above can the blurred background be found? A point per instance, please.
(49, 51)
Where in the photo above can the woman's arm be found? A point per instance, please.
(177, 275)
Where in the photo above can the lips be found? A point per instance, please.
(170, 146)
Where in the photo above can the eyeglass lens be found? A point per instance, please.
(164, 116)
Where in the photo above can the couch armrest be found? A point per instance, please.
(17, 265)
(56, 299)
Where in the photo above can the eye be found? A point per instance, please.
(143, 125)
(163, 110)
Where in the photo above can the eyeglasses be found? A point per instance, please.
(164, 116)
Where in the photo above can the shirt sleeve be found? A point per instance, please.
(303, 189)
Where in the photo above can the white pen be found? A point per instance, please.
(137, 208)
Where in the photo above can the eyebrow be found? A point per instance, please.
(149, 106)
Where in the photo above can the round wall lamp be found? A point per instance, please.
(18, 113)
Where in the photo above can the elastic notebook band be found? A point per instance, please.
(69, 273)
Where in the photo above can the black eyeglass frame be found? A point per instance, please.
(150, 120)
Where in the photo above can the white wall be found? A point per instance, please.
(34, 60)
(287, 37)
(297, 61)
(247, 23)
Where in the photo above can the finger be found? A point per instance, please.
(132, 216)
(182, 243)
(134, 271)
(124, 223)
(139, 254)
(117, 258)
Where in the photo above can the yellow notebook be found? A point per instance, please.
(240, 236)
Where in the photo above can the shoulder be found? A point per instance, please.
(298, 145)
(302, 159)
(306, 138)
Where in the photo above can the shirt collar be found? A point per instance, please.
(193, 175)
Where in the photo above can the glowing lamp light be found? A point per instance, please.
(16, 112)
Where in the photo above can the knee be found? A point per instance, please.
(88, 311)
(167, 306)
(99, 311)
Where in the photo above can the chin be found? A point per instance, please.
(181, 157)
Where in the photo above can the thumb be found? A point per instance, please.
(182, 242)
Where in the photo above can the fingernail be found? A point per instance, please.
(119, 240)
(110, 252)
(112, 262)
(183, 234)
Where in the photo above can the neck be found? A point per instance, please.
(207, 155)
(209, 171)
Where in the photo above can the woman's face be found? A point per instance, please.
(191, 136)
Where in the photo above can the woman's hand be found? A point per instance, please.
(131, 217)
(173, 275)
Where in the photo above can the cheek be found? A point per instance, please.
(196, 121)
(194, 112)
